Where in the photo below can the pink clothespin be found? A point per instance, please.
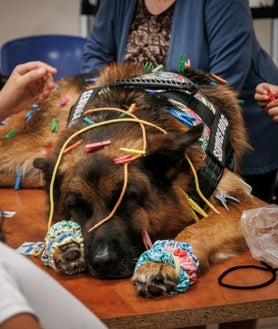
(96, 146)
(64, 101)
(123, 159)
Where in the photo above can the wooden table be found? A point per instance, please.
(116, 302)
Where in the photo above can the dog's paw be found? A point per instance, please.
(167, 268)
(64, 248)
(154, 279)
(69, 259)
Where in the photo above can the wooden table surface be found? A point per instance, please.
(116, 302)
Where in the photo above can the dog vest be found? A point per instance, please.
(191, 107)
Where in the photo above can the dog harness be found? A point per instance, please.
(190, 107)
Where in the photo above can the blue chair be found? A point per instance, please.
(61, 51)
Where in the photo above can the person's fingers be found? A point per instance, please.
(32, 76)
(29, 66)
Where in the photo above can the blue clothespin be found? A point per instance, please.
(89, 121)
(35, 107)
(28, 116)
(18, 180)
(91, 80)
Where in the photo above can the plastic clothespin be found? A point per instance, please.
(64, 101)
(28, 116)
(18, 180)
(182, 60)
(159, 67)
(89, 121)
(54, 125)
(133, 151)
(91, 80)
(9, 134)
(72, 146)
(216, 77)
(35, 107)
(57, 87)
(187, 63)
(271, 96)
(96, 146)
(130, 110)
(123, 159)
(47, 151)
(148, 67)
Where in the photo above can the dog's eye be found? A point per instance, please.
(77, 207)
(134, 194)
(72, 200)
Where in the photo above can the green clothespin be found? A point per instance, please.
(54, 125)
(182, 61)
(9, 134)
(159, 67)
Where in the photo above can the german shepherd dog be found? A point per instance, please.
(129, 175)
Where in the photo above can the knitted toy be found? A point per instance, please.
(64, 248)
(179, 255)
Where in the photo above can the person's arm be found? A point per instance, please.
(229, 38)
(26, 83)
(21, 321)
(100, 48)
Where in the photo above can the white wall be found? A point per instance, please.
(28, 17)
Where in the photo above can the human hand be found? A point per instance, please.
(266, 95)
(28, 82)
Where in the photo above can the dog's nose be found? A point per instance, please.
(104, 261)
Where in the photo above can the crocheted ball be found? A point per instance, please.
(171, 252)
(59, 234)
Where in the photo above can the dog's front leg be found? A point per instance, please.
(219, 236)
(212, 239)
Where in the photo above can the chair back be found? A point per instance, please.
(61, 51)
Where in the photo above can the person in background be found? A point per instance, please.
(30, 298)
(215, 36)
(266, 96)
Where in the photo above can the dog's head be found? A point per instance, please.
(119, 202)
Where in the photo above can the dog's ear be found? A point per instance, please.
(46, 166)
(167, 152)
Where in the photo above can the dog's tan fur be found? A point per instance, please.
(32, 138)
